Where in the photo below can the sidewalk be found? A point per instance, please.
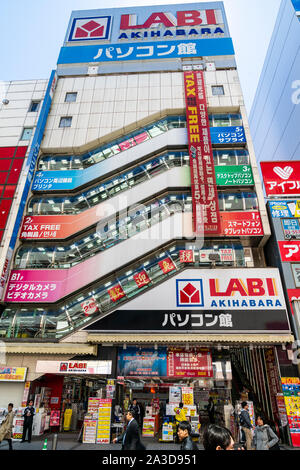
(68, 441)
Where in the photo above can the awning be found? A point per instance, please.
(47, 348)
(190, 339)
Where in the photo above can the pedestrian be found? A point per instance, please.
(245, 422)
(136, 410)
(264, 437)
(7, 425)
(211, 410)
(217, 438)
(131, 437)
(28, 414)
(184, 431)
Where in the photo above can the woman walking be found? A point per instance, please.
(264, 438)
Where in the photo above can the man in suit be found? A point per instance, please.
(131, 437)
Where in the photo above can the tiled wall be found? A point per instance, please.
(112, 103)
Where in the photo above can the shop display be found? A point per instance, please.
(38, 425)
(167, 432)
(104, 420)
(18, 423)
(291, 393)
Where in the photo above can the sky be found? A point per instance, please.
(32, 32)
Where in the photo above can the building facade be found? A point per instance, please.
(140, 251)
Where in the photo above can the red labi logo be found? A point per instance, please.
(89, 29)
(189, 295)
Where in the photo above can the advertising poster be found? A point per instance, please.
(296, 274)
(25, 394)
(174, 394)
(18, 427)
(13, 374)
(187, 395)
(291, 229)
(195, 363)
(203, 179)
(146, 362)
(241, 224)
(167, 432)
(104, 418)
(282, 410)
(54, 418)
(235, 175)
(291, 393)
(281, 209)
(148, 427)
(93, 406)
(281, 178)
(89, 431)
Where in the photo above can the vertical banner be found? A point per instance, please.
(104, 418)
(204, 189)
(273, 380)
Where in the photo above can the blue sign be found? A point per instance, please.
(291, 229)
(146, 51)
(142, 362)
(296, 4)
(281, 209)
(227, 135)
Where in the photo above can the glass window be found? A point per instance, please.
(51, 206)
(71, 97)
(242, 157)
(226, 157)
(236, 119)
(60, 163)
(34, 106)
(27, 133)
(21, 257)
(250, 201)
(65, 121)
(217, 90)
(221, 120)
(233, 202)
(41, 257)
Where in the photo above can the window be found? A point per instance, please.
(34, 107)
(218, 90)
(65, 121)
(70, 97)
(27, 133)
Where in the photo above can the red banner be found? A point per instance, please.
(194, 363)
(186, 256)
(116, 293)
(204, 188)
(241, 224)
(289, 251)
(281, 178)
(141, 279)
(166, 265)
(273, 379)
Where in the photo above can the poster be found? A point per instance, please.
(296, 274)
(204, 189)
(281, 209)
(148, 427)
(281, 409)
(174, 395)
(13, 374)
(291, 393)
(25, 394)
(167, 432)
(18, 427)
(291, 229)
(195, 363)
(147, 362)
(54, 418)
(104, 418)
(89, 430)
(187, 395)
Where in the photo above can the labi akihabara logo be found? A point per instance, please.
(189, 292)
(87, 29)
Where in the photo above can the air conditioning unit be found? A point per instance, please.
(210, 67)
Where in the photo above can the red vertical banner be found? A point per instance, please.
(204, 189)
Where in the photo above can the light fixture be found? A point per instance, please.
(5, 101)
(124, 346)
(155, 347)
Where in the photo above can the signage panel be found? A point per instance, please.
(247, 224)
(74, 367)
(147, 362)
(289, 251)
(194, 363)
(234, 175)
(227, 135)
(204, 189)
(284, 209)
(281, 178)
(13, 374)
(291, 229)
(296, 274)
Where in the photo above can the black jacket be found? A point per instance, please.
(30, 410)
(245, 420)
(132, 439)
(188, 444)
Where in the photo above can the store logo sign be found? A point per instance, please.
(283, 173)
(189, 292)
(73, 367)
(90, 28)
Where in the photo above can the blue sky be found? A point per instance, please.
(32, 32)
